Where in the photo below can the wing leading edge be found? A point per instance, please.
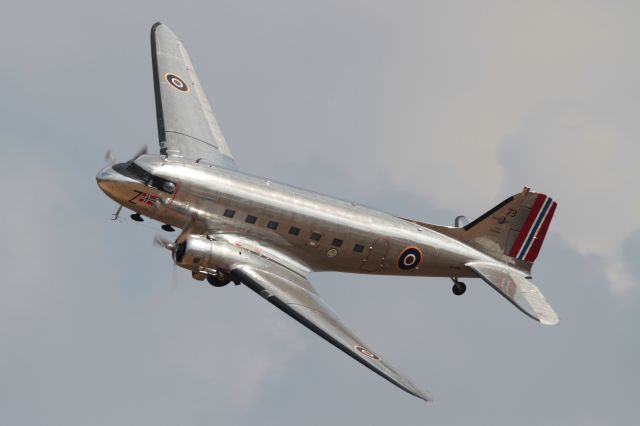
(294, 295)
(186, 124)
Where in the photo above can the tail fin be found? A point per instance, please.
(514, 228)
(528, 231)
(513, 231)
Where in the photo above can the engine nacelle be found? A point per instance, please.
(193, 253)
(207, 257)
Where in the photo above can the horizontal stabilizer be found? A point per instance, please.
(517, 289)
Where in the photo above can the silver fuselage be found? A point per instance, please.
(208, 192)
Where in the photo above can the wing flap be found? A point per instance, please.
(518, 290)
(295, 296)
(186, 124)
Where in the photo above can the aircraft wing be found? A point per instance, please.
(294, 295)
(186, 124)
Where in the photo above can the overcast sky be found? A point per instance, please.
(423, 109)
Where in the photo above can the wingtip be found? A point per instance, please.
(419, 393)
(162, 30)
(549, 321)
(426, 399)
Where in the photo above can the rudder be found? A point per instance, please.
(527, 234)
(513, 231)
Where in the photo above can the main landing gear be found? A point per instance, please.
(218, 280)
(458, 287)
(214, 277)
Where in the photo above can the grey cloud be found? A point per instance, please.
(631, 253)
(421, 110)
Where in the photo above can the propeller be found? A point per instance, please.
(189, 228)
(142, 151)
(110, 158)
(169, 245)
(163, 242)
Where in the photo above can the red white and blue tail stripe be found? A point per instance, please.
(531, 236)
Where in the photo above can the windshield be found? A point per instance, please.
(136, 172)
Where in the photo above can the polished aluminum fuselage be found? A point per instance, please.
(206, 192)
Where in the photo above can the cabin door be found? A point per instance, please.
(375, 258)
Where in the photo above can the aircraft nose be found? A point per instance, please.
(104, 176)
(108, 180)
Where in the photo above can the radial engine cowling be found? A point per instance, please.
(200, 253)
(193, 253)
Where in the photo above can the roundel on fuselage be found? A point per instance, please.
(410, 258)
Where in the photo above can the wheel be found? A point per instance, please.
(217, 281)
(137, 217)
(459, 288)
(167, 228)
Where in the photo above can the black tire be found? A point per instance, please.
(459, 288)
(216, 281)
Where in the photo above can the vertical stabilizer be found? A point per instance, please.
(512, 232)
(528, 231)
(514, 228)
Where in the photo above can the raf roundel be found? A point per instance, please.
(366, 352)
(410, 258)
(177, 82)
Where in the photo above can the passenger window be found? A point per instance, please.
(294, 231)
(251, 219)
(229, 213)
(314, 239)
(337, 242)
(358, 248)
(272, 225)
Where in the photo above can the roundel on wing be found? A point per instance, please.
(176, 82)
(366, 352)
(410, 258)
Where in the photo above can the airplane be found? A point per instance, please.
(269, 236)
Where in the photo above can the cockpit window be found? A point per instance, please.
(136, 172)
(140, 173)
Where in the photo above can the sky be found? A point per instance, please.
(422, 109)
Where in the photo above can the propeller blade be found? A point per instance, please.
(141, 151)
(109, 158)
(159, 241)
(174, 277)
(162, 242)
(193, 226)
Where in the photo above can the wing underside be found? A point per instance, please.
(295, 296)
(186, 125)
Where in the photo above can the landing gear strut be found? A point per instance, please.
(458, 287)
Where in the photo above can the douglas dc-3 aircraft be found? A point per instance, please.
(269, 236)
